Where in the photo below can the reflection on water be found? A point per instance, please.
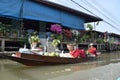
(106, 67)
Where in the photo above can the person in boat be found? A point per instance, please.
(92, 51)
(75, 53)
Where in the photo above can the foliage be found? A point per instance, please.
(57, 29)
(99, 40)
(84, 38)
(67, 33)
(76, 34)
(2, 27)
(112, 40)
(90, 27)
(34, 38)
(78, 38)
(57, 36)
(55, 42)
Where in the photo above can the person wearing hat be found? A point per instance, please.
(92, 51)
(75, 53)
(70, 47)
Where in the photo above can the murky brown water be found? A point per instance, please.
(106, 67)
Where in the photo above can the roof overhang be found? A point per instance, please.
(88, 18)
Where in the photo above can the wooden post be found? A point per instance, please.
(3, 45)
(61, 46)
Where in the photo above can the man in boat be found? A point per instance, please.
(75, 53)
(92, 52)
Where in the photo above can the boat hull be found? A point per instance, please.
(37, 60)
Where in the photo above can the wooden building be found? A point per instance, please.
(25, 16)
(103, 41)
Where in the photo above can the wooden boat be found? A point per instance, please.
(37, 60)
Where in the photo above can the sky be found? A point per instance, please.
(108, 10)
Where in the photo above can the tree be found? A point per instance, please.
(90, 28)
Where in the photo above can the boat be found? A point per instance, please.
(38, 60)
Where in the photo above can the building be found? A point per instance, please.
(20, 16)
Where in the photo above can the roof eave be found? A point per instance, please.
(88, 18)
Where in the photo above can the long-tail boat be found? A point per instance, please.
(37, 60)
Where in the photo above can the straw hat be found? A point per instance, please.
(91, 44)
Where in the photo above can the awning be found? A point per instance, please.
(10, 8)
(35, 11)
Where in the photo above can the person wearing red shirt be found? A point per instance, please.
(92, 51)
(76, 53)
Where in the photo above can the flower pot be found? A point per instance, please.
(33, 45)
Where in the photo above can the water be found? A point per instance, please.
(105, 68)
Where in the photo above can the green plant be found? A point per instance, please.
(59, 36)
(90, 27)
(84, 38)
(2, 27)
(55, 42)
(99, 40)
(112, 40)
(34, 38)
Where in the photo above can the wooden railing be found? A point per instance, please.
(4, 43)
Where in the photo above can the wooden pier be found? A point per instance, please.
(11, 44)
(108, 47)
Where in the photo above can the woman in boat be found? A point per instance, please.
(75, 53)
(92, 52)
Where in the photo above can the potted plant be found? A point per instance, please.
(55, 43)
(68, 34)
(75, 35)
(57, 35)
(34, 40)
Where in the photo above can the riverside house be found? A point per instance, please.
(20, 17)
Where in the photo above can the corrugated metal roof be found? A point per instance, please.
(87, 17)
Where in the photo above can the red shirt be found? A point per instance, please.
(92, 51)
(78, 53)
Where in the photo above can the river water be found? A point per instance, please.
(106, 67)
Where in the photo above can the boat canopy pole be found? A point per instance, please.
(21, 18)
